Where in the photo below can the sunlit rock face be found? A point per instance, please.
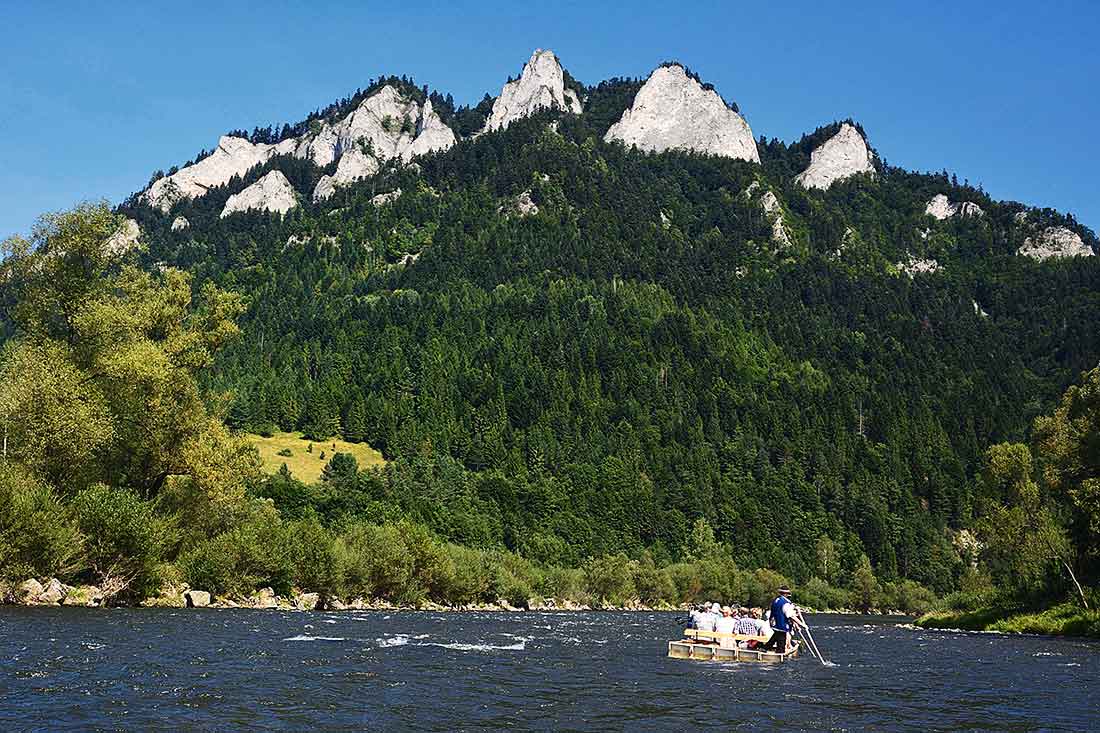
(842, 156)
(914, 266)
(940, 207)
(431, 134)
(387, 124)
(384, 199)
(354, 165)
(1055, 243)
(540, 86)
(273, 193)
(125, 237)
(234, 156)
(769, 202)
(672, 111)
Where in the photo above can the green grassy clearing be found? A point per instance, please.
(306, 466)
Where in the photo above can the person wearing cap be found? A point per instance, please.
(784, 620)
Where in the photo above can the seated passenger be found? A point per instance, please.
(708, 617)
(726, 624)
(696, 612)
(747, 625)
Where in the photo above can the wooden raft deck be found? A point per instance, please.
(701, 645)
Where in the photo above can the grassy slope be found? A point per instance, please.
(1065, 620)
(304, 465)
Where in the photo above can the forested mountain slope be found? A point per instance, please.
(570, 348)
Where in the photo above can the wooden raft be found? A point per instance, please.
(707, 646)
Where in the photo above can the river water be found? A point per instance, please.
(151, 670)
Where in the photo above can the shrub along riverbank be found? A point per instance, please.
(1066, 619)
(402, 564)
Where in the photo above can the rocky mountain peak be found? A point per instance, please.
(672, 111)
(273, 192)
(540, 86)
(234, 156)
(843, 155)
(387, 122)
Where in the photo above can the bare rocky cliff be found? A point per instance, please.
(541, 85)
(940, 207)
(385, 125)
(842, 156)
(1055, 243)
(672, 111)
(273, 192)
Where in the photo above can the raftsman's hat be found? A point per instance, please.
(784, 590)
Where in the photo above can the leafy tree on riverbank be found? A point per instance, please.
(101, 400)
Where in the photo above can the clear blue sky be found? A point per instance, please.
(96, 96)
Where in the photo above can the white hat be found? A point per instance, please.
(715, 608)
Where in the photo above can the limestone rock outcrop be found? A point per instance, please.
(354, 165)
(1055, 242)
(541, 85)
(914, 266)
(521, 205)
(197, 598)
(940, 207)
(88, 596)
(672, 111)
(386, 125)
(386, 198)
(180, 223)
(234, 156)
(431, 134)
(307, 602)
(273, 192)
(842, 156)
(390, 124)
(769, 202)
(125, 237)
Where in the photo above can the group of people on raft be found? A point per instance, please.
(778, 623)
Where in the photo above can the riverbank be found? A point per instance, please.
(1067, 619)
(52, 592)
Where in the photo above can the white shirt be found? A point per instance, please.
(725, 624)
(705, 622)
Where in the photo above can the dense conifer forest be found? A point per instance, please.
(632, 393)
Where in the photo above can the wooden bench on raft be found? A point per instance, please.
(701, 635)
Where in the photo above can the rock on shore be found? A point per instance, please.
(52, 592)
